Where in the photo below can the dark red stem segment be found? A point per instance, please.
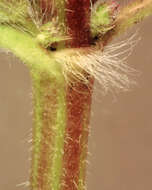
(78, 100)
(77, 22)
(78, 114)
(93, 1)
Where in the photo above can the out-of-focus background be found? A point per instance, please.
(121, 127)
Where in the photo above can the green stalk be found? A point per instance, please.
(49, 107)
(133, 14)
(27, 49)
(48, 134)
(53, 112)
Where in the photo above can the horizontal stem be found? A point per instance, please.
(27, 49)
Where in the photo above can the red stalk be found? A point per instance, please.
(78, 100)
(77, 22)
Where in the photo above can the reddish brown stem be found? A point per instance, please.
(75, 149)
(78, 19)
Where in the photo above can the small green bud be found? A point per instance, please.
(102, 17)
(50, 33)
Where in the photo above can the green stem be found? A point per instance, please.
(60, 134)
(133, 14)
(128, 16)
(26, 48)
(48, 133)
(49, 94)
(61, 117)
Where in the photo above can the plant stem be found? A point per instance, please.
(48, 133)
(132, 14)
(62, 109)
(75, 150)
(61, 116)
(128, 16)
(60, 134)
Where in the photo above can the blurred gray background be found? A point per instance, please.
(121, 128)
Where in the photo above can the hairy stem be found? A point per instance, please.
(48, 133)
(132, 14)
(61, 114)
(60, 134)
(61, 108)
(27, 49)
(128, 16)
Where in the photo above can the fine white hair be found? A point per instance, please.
(108, 67)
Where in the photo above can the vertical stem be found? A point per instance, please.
(76, 138)
(48, 132)
(78, 101)
(60, 134)
(62, 112)
(78, 22)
